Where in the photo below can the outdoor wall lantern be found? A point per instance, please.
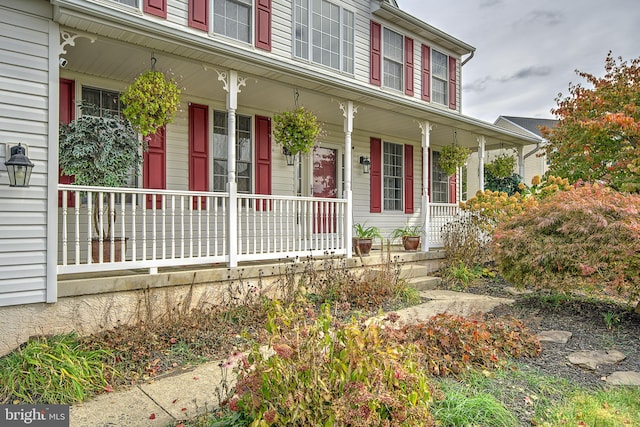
(290, 157)
(366, 163)
(18, 166)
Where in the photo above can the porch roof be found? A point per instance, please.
(125, 42)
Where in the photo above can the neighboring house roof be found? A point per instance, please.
(528, 125)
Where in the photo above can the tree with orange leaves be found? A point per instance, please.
(598, 133)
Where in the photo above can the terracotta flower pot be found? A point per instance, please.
(362, 246)
(106, 250)
(411, 243)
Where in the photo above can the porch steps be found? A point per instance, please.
(418, 276)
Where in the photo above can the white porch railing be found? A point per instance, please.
(439, 215)
(163, 228)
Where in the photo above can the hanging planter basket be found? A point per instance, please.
(453, 157)
(296, 130)
(151, 102)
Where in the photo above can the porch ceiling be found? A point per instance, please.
(122, 52)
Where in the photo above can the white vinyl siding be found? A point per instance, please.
(25, 109)
(392, 49)
(440, 77)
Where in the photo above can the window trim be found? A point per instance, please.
(308, 41)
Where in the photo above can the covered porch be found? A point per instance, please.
(154, 229)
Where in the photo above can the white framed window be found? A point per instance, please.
(324, 33)
(392, 50)
(104, 102)
(233, 18)
(439, 77)
(132, 3)
(244, 165)
(439, 180)
(392, 172)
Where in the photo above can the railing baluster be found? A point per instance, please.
(64, 228)
(76, 195)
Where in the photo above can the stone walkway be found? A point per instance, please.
(592, 359)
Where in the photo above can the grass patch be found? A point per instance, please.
(56, 370)
(464, 405)
(604, 408)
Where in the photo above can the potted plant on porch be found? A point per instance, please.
(410, 235)
(100, 151)
(363, 238)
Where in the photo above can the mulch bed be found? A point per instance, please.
(584, 319)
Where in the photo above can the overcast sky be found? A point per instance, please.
(527, 51)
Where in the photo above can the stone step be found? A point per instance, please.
(424, 283)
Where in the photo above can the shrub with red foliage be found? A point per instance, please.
(586, 240)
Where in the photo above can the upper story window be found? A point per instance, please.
(324, 33)
(392, 59)
(392, 176)
(133, 3)
(232, 18)
(439, 77)
(243, 152)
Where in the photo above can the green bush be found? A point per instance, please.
(509, 184)
(328, 374)
(587, 239)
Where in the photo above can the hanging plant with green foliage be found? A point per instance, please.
(453, 157)
(296, 130)
(151, 102)
(502, 166)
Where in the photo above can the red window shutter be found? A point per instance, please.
(375, 71)
(198, 150)
(452, 83)
(67, 112)
(154, 166)
(408, 179)
(426, 73)
(375, 175)
(155, 7)
(263, 24)
(199, 14)
(263, 158)
(408, 66)
(452, 189)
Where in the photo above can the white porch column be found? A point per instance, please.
(232, 84)
(481, 145)
(425, 128)
(521, 162)
(348, 112)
